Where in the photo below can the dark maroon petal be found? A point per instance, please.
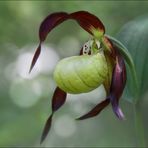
(118, 84)
(50, 22)
(46, 128)
(95, 111)
(35, 57)
(58, 100)
(88, 21)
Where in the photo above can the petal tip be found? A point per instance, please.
(119, 113)
(80, 118)
(35, 57)
(46, 128)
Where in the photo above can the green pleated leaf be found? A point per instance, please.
(134, 36)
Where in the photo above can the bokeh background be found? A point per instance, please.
(25, 98)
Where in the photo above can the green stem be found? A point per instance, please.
(139, 126)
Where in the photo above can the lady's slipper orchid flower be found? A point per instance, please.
(99, 62)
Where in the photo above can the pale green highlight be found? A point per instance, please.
(97, 33)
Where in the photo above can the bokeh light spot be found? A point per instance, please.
(24, 93)
(65, 126)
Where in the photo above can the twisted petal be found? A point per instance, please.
(35, 57)
(86, 20)
(118, 84)
(95, 111)
(50, 22)
(46, 128)
(58, 100)
(118, 79)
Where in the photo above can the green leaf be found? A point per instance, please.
(134, 36)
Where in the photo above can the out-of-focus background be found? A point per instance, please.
(25, 98)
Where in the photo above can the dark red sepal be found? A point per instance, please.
(88, 21)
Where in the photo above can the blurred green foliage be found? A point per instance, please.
(21, 125)
(134, 36)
